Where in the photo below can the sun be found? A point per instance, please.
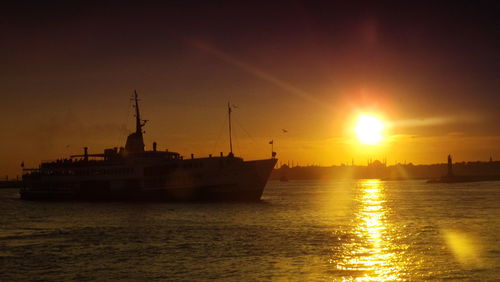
(369, 130)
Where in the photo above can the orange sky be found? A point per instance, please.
(431, 73)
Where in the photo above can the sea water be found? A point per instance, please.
(368, 230)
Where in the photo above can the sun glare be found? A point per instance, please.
(369, 130)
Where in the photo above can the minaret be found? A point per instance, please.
(135, 141)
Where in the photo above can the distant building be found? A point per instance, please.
(450, 166)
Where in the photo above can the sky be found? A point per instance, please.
(430, 70)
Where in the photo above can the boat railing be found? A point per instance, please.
(31, 169)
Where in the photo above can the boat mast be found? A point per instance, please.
(230, 138)
(138, 123)
(135, 141)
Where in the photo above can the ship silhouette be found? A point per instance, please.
(132, 173)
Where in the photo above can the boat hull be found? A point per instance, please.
(243, 182)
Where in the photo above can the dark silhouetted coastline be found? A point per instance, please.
(464, 171)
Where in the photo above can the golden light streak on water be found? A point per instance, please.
(368, 256)
(466, 249)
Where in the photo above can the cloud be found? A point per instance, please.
(435, 121)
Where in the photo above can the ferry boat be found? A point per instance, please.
(132, 173)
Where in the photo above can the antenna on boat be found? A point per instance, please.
(230, 138)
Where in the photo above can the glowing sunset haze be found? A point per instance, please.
(296, 140)
(429, 75)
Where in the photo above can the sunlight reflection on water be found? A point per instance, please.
(352, 230)
(368, 256)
